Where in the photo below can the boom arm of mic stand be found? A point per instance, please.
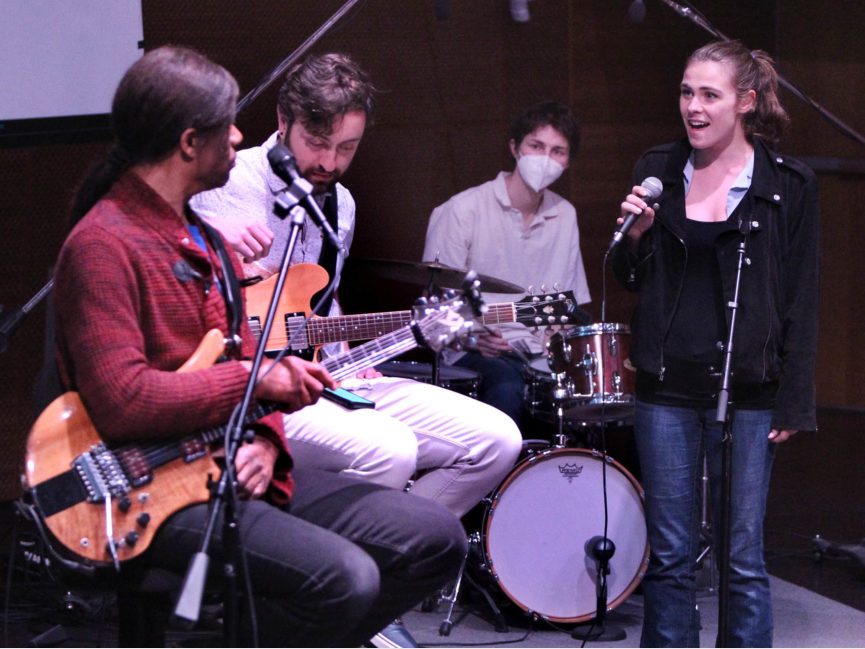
(9, 322)
(277, 72)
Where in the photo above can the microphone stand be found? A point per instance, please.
(602, 548)
(223, 496)
(724, 416)
(9, 321)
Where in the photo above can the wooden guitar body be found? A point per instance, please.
(63, 433)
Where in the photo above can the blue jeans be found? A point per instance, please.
(502, 383)
(670, 442)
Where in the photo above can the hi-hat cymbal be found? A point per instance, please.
(430, 272)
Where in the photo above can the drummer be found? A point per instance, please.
(516, 229)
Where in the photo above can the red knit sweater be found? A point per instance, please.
(130, 313)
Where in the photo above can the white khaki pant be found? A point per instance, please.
(461, 448)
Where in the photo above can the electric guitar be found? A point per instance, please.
(292, 329)
(105, 503)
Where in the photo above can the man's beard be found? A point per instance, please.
(319, 185)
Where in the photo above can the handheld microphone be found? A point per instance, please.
(284, 165)
(654, 187)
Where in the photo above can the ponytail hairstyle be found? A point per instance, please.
(751, 70)
(165, 92)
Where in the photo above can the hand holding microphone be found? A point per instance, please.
(637, 204)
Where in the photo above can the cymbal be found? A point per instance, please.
(426, 272)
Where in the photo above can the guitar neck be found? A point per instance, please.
(349, 328)
(371, 353)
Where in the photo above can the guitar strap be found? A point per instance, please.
(233, 299)
(328, 257)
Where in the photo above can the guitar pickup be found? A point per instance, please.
(192, 449)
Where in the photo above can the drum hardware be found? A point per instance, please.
(450, 596)
(560, 395)
(597, 374)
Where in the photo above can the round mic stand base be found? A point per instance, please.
(601, 549)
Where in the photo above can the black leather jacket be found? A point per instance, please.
(776, 321)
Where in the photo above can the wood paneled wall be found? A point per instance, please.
(449, 89)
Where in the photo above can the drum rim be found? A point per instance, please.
(519, 468)
(598, 328)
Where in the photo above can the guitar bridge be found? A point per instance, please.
(101, 474)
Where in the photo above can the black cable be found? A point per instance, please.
(601, 575)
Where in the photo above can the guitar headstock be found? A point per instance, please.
(550, 309)
(443, 321)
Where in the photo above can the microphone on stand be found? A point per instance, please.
(654, 187)
(284, 165)
(601, 549)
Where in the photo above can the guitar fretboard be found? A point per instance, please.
(322, 331)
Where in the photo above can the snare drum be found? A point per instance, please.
(458, 379)
(595, 359)
(539, 524)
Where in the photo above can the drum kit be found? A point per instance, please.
(533, 548)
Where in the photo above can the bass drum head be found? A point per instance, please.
(538, 524)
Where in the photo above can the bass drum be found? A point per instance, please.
(538, 524)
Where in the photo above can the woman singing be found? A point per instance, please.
(724, 187)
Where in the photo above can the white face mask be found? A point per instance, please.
(539, 171)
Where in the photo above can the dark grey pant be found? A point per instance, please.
(346, 560)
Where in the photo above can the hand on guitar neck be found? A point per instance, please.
(292, 381)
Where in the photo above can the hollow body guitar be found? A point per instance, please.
(303, 336)
(104, 504)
